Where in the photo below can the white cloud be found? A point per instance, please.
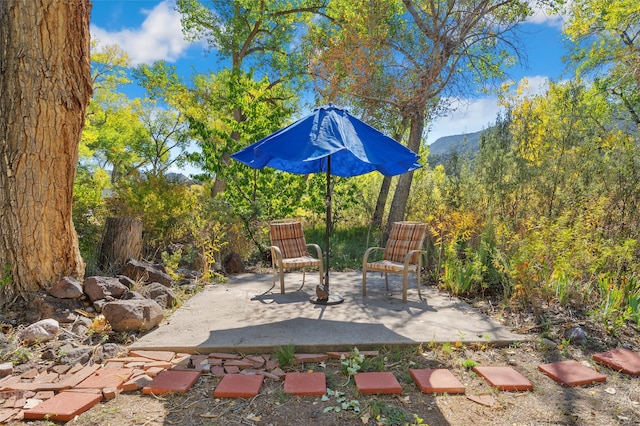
(467, 116)
(542, 17)
(472, 115)
(536, 85)
(158, 38)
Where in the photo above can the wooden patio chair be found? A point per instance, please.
(402, 254)
(289, 250)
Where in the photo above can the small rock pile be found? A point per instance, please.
(72, 328)
(68, 318)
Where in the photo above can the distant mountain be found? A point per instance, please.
(180, 178)
(442, 148)
(446, 144)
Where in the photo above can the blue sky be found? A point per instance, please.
(149, 30)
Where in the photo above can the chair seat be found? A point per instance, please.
(389, 266)
(301, 262)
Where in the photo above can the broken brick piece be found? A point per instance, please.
(242, 364)
(136, 383)
(106, 378)
(109, 393)
(300, 358)
(166, 356)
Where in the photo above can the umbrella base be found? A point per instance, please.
(333, 299)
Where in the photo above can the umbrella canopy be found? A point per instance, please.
(331, 141)
(355, 148)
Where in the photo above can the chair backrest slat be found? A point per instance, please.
(404, 236)
(288, 235)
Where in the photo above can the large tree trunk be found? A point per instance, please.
(400, 197)
(381, 203)
(378, 214)
(45, 86)
(121, 240)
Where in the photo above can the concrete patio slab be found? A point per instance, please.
(243, 315)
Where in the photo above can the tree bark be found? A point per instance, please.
(401, 195)
(45, 86)
(378, 214)
(121, 240)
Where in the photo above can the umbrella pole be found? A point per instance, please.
(327, 228)
(323, 297)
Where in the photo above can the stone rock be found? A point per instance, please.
(577, 336)
(188, 273)
(133, 315)
(146, 272)
(189, 286)
(99, 304)
(108, 351)
(41, 331)
(232, 263)
(547, 344)
(80, 329)
(73, 356)
(132, 295)
(66, 288)
(6, 369)
(97, 288)
(128, 282)
(161, 294)
(45, 305)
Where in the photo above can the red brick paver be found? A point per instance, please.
(239, 386)
(64, 406)
(504, 378)
(172, 381)
(305, 383)
(571, 373)
(377, 383)
(620, 359)
(438, 380)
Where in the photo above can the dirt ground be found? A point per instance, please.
(614, 402)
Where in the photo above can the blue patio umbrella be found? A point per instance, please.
(331, 141)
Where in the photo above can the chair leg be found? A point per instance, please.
(321, 279)
(281, 280)
(418, 276)
(304, 274)
(364, 281)
(405, 282)
(386, 281)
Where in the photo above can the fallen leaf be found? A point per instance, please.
(610, 391)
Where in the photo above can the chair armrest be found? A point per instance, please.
(276, 254)
(317, 248)
(368, 252)
(407, 258)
